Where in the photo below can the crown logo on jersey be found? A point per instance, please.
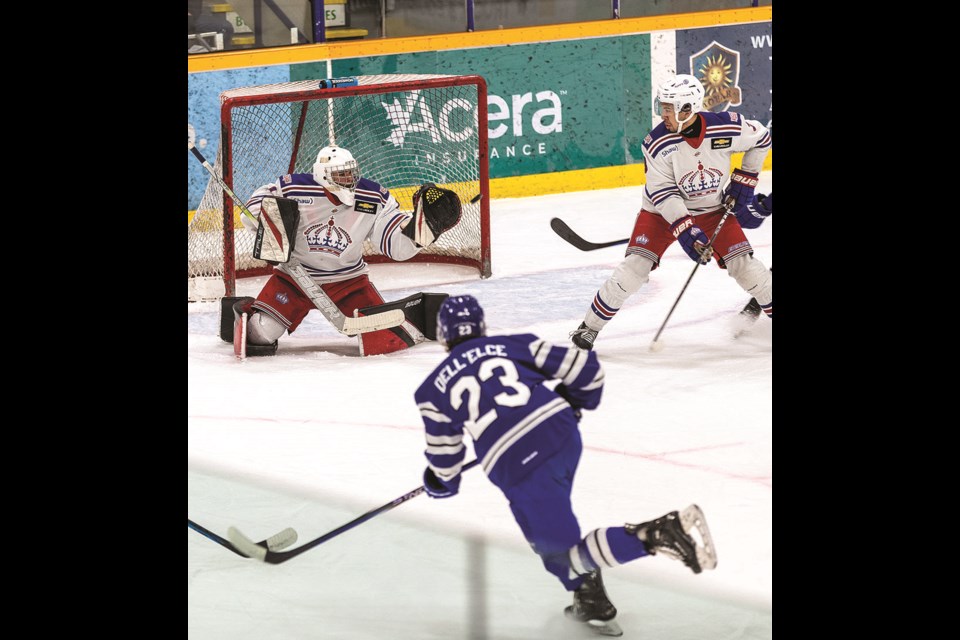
(327, 238)
(701, 182)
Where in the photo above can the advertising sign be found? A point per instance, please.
(735, 65)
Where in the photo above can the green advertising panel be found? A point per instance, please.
(552, 107)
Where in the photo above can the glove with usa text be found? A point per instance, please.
(740, 188)
(756, 212)
(693, 240)
(437, 488)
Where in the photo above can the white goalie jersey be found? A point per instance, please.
(330, 239)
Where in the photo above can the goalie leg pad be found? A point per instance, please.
(262, 349)
(420, 310)
(252, 333)
(262, 328)
(375, 343)
(240, 336)
(227, 317)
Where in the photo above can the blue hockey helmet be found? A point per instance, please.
(459, 318)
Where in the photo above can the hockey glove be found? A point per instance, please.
(756, 212)
(435, 210)
(740, 188)
(436, 488)
(693, 240)
(563, 392)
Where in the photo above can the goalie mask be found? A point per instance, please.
(685, 93)
(459, 318)
(338, 172)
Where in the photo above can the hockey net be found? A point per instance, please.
(403, 129)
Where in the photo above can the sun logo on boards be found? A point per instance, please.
(718, 68)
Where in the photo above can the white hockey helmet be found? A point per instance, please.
(338, 171)
(683, 92)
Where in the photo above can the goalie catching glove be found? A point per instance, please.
(435, 210)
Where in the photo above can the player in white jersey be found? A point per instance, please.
(339, 210)
(687, 159)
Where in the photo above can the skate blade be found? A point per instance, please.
(601, 627)
(608, 628)
(692, 518)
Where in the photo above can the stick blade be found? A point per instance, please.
(282, 540)
(564, 231)
(375, 322)
(247, 546)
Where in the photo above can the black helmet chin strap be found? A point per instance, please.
(694, 129)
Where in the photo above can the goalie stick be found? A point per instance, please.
(253, 550)
(276, 542)
(343, 324)
(571, 236)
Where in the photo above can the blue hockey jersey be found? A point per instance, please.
(493, 386)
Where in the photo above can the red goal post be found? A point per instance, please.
(403, 129)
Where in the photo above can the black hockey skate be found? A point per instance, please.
(583, 336)
(747, 316)
(670, 534)
(745, 319)
(592, 607)
(752, 310)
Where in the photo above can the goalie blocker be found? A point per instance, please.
(276, 230)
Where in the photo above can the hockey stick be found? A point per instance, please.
(343, 324)
(270, 556)
(571, 236)
(728, 205)
(276, 542)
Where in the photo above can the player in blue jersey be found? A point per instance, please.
(687, 161)
(525, 431)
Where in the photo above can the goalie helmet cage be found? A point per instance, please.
(403, 129)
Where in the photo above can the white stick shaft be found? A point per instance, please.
(343, 324)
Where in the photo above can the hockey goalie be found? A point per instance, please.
(331, 212)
